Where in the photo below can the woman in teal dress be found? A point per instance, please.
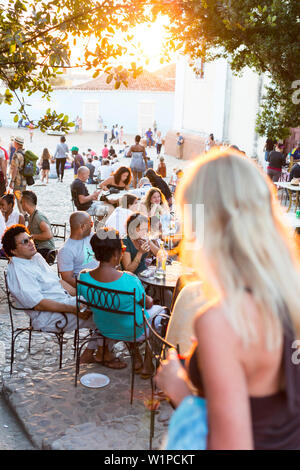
(108, 249)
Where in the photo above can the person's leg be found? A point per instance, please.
(57, 167)
(139, 175)
(62, 171)
(47, 176)
(134, 182)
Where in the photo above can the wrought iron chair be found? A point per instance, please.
(157, 346)
(107, 301)
(59, 232)
(16, 331)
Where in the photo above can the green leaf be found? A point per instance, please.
(16, 118)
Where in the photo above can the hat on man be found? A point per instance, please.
(74, 149)
(19, 140)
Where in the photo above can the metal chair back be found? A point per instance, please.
(16, 331)
(108, 301)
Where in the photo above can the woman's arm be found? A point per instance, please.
(131, 265)
(109, 180)
(224, 380)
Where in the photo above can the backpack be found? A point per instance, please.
(30, 159)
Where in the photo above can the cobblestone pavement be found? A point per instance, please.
(53, 413)
(57, 415)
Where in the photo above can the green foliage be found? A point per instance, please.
(35, 38)
(261, 34)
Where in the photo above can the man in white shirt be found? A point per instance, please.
(39, 291)
(76, 253)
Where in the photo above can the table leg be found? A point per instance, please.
(290, 198)
(297, 201)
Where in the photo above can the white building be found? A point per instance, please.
(215, 101)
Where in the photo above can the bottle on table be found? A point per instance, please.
(161, 261)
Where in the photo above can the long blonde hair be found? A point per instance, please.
(246, 246)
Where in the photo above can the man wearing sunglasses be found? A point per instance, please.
(38, 289)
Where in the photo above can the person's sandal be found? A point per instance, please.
(115, 364)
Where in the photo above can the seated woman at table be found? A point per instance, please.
(120, 179)
(138, 245)
(118, 218)
(154, 204)
(11, 216)
(108, 249)
(158, 182)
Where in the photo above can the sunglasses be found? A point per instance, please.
(26, 240)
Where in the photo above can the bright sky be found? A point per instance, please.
(147, 51)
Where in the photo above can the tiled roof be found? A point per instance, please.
(161, 80)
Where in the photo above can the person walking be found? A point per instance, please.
(18, 181)
(61, 156)
(45, 165)
(139, 162)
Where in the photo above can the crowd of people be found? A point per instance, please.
(241, 305)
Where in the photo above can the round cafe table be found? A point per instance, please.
(173, 271)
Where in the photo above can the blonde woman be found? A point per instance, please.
(244, 359)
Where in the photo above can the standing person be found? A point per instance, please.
(61, 156)
(268, 147)
(117, 134)
(18, 181)
(77, 124)
(276, 161)
(105, 135)
(162, 169)
(38, 224)
(245, 360)
(105, 152)
(31, 128)
(3, 170)
(139, 161)
(78, 160)
(209, 144)
(158, 142)
(155, 126)
(121, 135)
(179, 143)
(112, 138)
(45, 165)
(11, 151)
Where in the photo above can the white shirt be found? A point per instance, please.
(105, 171)
(12, 219)
(117, 220)
(2, 227)
(76, 255)
(97, 165)
(32, 280)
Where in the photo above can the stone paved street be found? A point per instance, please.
(53, 413)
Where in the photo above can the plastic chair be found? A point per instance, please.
(107, 301)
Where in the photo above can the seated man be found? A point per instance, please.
(38, 225)
(83, 200)
(91, 167)
(40, 292)
(76, 253)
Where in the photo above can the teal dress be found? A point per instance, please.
(113, 325)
